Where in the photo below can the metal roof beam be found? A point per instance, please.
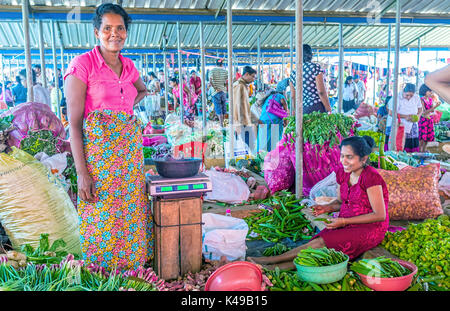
(345, 34)
(258, 34)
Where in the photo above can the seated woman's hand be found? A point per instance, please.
(336, 223)
(321, 209)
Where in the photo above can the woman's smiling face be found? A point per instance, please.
(112, 33)
(351, 161)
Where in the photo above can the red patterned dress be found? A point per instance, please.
(356, 239)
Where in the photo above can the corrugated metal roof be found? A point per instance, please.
(273, 36)
(352, 6)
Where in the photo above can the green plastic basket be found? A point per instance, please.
(322, 275)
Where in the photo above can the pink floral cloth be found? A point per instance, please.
(356, 239)
(105, 90)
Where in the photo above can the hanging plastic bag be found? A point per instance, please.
(278, 168)
(223, 236)
(56, 164)
(324, 192)
(227, 187)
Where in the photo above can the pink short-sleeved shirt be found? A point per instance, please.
(105, 90)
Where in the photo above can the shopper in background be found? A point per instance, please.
(349, 95)
(360, 89)
(282, 86)
(54, 98)
(7, 97)
(409, 110)
(153, 102)
(19, 92)
(37, 69)
(189, 99)
(426, 123)
(241, 113)
(315, 94)
(218, 78)
(102, 87)
(195, 83)
(40, 94)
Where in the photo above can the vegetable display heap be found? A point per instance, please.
(427, 246)
(281, 219)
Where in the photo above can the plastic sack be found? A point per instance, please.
(278, 168)
(223, 236)
(153, 141)
(33, 201)
(327, 187)
(413, 192)
(255, 111)
(227, 187)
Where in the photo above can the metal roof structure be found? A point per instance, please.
(365, 25)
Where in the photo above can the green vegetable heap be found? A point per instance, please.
(380, 267)
(427, 246)
(40, 141)
(45, 253)
(289, 281)
(320, 257)
(377, 136)
(148, 152)
(285, 221)
(277, 249)
(319, 127)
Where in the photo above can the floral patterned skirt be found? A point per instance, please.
(117, 230)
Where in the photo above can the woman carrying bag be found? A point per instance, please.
(409, 111)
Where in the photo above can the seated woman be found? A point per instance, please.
(362, 204)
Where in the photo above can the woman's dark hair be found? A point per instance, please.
(409, 87)
(307, 53)
(23, 73)
(152, 74)
(348, 79)
(362, 146)
(249, 70)
(106, 8)
(268, 95)
(423, 90)
(174, 80)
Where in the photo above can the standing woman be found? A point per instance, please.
(189, 100)
(426, 124)
(155, 97)
(101, 88)
(349, 95)
(315, 94)
(409, 110)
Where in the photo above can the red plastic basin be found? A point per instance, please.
(235, 276)
(391, 284)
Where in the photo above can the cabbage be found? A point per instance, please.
(35, 117)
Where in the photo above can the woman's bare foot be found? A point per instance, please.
(262, 260)
(287, 265)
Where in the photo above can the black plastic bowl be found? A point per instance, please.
(178, 168)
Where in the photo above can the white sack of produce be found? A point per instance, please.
(223, 236)
(33, 201)
(227, 187)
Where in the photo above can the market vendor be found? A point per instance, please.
(362, 202)
(102, 87)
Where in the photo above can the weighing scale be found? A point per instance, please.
(171, 188)
(177, 218)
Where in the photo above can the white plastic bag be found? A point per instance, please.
(256, 111)
(227, 187)
(327, 187)
(56, 164)
(223, 236)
